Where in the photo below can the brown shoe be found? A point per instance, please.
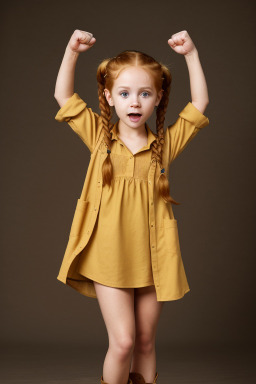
(104, 382)
(137, 378)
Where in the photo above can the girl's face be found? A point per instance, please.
(133, 92)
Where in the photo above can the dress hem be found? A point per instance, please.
(147, 284)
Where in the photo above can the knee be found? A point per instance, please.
(123, 345)
(145, 342)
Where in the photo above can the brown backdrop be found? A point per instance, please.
(44, 164)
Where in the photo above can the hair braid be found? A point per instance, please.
(106, 114)
(157, 147)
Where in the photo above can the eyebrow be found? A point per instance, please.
(123, 86)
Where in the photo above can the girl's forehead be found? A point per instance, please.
(134, 75)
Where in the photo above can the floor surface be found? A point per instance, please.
(72, 364)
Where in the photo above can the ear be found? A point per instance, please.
(108, 97)
(159, 97)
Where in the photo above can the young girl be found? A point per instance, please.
(123, 247)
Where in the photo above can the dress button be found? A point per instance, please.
(130, 157)
(152, 203)
(153, 246)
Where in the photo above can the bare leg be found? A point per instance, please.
(147, 314)
(117, 307)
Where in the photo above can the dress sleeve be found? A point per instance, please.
(86, 123)
(186, 127)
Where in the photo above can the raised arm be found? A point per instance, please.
(80, 41)
(198, 86)
(182, 43)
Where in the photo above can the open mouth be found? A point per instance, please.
(134, 116)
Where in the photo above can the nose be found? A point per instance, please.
(135, 102)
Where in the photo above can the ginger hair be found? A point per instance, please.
(107, 71)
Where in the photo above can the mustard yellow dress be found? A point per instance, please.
(125, 235)
(118, 254)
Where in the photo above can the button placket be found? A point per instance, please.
(130, 166)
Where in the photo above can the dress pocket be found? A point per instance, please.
(79, 216)
(171, 236)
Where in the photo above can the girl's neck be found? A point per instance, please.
(130, 133)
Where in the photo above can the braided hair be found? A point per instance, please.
(107, 71)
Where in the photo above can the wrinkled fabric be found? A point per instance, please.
(125, 235)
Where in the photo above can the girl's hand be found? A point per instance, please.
(81, 41)
(182, 43)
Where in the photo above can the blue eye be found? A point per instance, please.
(127, 92)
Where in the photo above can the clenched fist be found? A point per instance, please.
(182, 43)
(81, 41)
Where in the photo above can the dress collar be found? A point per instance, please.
(151, 135)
